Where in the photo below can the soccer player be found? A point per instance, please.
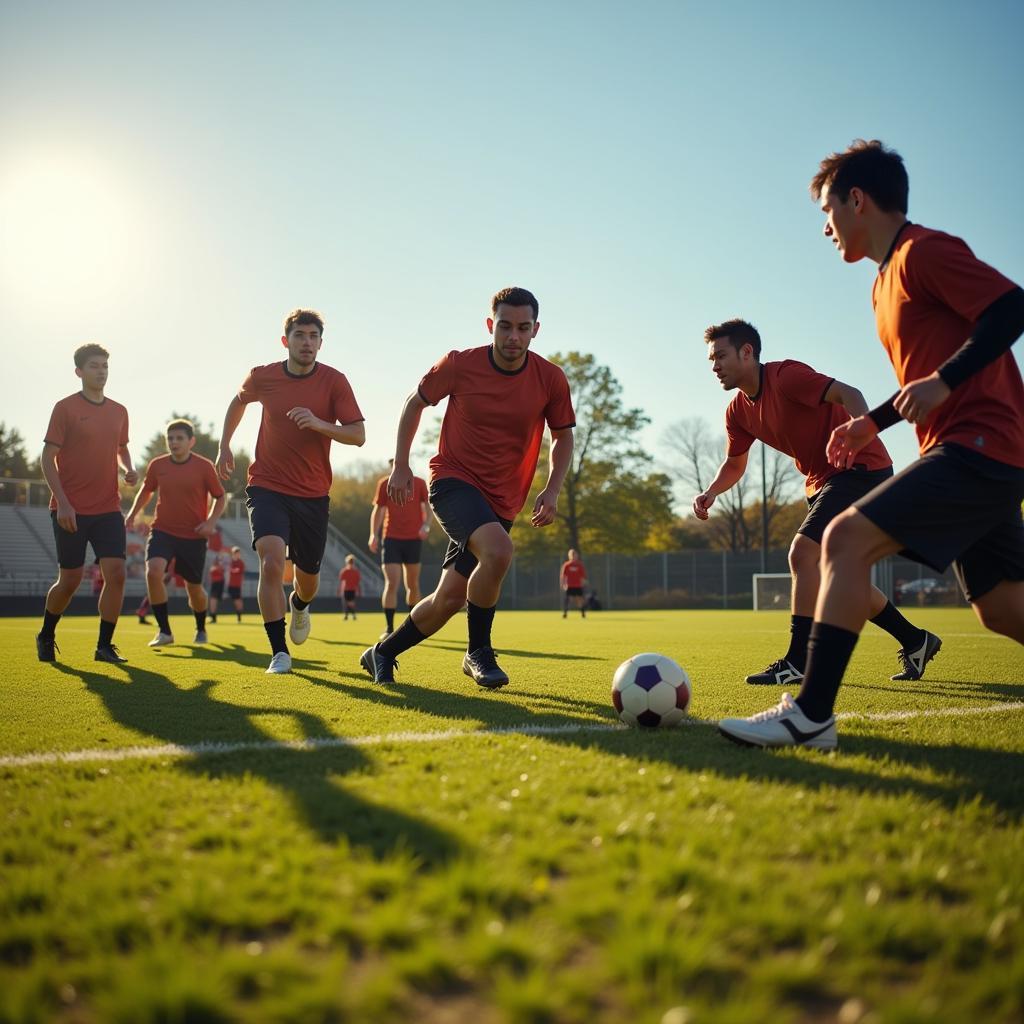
(184, 483)
(349, 580)
(947, 322)
(306, 406)
(86, 441)
(573, 579)
(398, 532)
(216, 585)
(499, 398)
(794, 409)
(236, 574)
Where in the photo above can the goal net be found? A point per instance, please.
(771, 591)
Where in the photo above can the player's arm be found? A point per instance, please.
(376, 525)
(65, 511)
(124, 459)
(140, 502)
(400, 483)
(209, 525)
(343, 433)
(560, 458)
(846, 395)
(425, 521)
(225, 461)
(730, 472)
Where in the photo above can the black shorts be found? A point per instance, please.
(461, 510)
(350, 595)
(104, 532)
(217, 589)
(189, 555)
(405, 551)
(235, 592)
(954, 505)
(300, 522)
(574, 591)
(837, 494)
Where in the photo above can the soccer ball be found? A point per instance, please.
(651, 690)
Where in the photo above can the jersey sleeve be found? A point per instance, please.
(151, 481)
(381, 497)
(559, 412)
(738, 438)
(420, 493)
(212, 481)
(250, 389)
(343, 402)
(123, 438)
(802, 384)
(439, 381)
(56, 430)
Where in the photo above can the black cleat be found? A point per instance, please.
(108, 653)
(778, 673)
(381, 668)
(482, 665)
(914, 661)
(45, 646)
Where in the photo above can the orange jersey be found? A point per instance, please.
(402, 522)
(289, 460)
(89, 435)
(573, 574)
(349, 579)
(183, 491)
(926, 300)
(236, 572)
(493, 426)
(790, 414)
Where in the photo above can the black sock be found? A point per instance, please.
(892, 621)
(480, 620)
(297, 603)
(275, 633)
(828, 653)
(200, 620)
(799, 631)
(50, 620)
(407, 635)
(238, 615)
(389, 614)
(106, 633)
(161, 616)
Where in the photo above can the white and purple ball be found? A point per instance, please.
(651, 690)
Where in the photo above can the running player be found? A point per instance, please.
(184, 483)
(86, 441)
(216, 585)
(236, 574)
(573, 578)
(349, 580)
(499, 398)
(398, 532)
(794, 409)
(306, 405)
(947, 321)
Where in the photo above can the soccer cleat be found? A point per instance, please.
(380, 667)
(162, 639)
(778, 673)
(45, 646)
(108, 653)
(299, 624)
(143, 621)
(914, 661)
(201, 637)
(482, 665)
(279, 664)
(784, 725)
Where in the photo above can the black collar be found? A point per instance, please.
(507, 373)
(299, 376)
(892, 247)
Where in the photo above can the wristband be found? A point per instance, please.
(884, 415)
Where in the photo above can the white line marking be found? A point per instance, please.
(329, 742)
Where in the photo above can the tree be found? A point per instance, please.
(13, 455)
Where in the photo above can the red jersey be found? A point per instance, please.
(402, 522)
(789, 413)
(289, 460)
(216, 573)
(89, 435)
(493, 426)
(349, 579)
(573, 574)
(183, 491)
(236, 572)
(927, 299)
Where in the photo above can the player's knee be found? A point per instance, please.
(842, 537)
(153, 575)
(115, 575)
(804, 554)
(497, 554)
(70, 579)
(998, 618)
(272, 566)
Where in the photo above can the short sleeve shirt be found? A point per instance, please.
(573, 574)
(494, 424)
(789, 413)
(216, 573)
(236, 572)
(402, 522)
(289, 460)
(89, 435)
(349, 579)
(927, 299)
(183, 493)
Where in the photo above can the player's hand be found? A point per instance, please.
(131, 478)
(702, 503)
(129, 523)
(920, 398)
(424, 531)
(848, 439)
(66, 518)
(400, 484)
(225, 463)
(304, 419)
(205, 528)
(373, 543)
(544, 508)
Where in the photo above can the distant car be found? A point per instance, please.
(926, 589)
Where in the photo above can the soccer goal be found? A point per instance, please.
(771, 591)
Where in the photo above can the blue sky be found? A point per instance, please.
(174, 179)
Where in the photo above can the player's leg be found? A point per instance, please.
(190, 558)
(306, 543)
(411, 572)
(107, 536)
(392, 571)
(199, 603)
(156, 588)
(991, 574)
(1001, 610)
(271, 600)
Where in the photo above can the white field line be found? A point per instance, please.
(327, 742)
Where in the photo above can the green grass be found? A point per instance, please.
(600, 875)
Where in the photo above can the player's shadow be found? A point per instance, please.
(950, 689)
(235, 654)
(513, 653)
(150, 704)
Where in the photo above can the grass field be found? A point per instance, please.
(447, 854)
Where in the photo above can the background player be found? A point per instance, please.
(86, 441)
(499, 398)
(349, 580)
(216, 584)
(184, 483)
(236, 575)
(573, 578)
(403, 529)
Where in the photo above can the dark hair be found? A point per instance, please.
(183, 424)
(303, 316)
(85, 352)
(869, 166)
(738, 333)
(515, 297)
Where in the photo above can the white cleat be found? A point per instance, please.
(784, 725)
(201, 637)
(162, 640)
(299, 624)
(280, 663)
